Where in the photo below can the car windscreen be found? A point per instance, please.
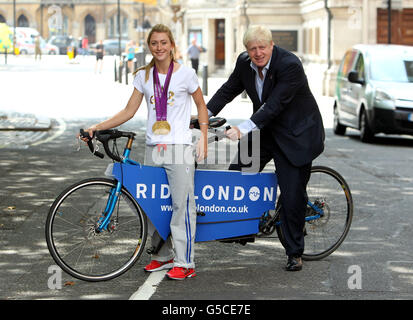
(391, 68)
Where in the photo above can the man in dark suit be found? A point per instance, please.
(289, 122)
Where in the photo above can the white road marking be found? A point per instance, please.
(149, 287)
(62, 128)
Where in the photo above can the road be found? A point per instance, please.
(377, 249)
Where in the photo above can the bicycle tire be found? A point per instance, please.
(80, 251)
(321, 239)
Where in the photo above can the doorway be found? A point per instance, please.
(401, 26)
(90, 28)
(220, 42)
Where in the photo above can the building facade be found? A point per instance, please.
(318, 31)
(97, 19)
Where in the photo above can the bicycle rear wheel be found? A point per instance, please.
(328, 219)
(72, 238)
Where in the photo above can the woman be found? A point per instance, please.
(130, 54)
(167, 87)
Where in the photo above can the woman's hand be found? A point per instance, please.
(202, 148)
(90, 131)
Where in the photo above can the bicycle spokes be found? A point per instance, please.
(94, 233)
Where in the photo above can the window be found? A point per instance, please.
(347, 63)
(113, 26)
(22, 21)
(360, 67)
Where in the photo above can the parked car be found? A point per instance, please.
(111, 46)
(374, 91)
(62, 42)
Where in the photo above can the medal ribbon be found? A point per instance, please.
(161, 96)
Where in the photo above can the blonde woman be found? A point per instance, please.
(168, 87)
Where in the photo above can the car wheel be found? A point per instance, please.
(23, 51)
(338, 128)
(52, 52)
(366, 134)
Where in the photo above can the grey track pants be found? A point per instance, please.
(178, 161)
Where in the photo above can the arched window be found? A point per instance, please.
(113, 26)
(90, 28)
(22, 21)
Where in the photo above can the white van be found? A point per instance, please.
(25, 41)
(23, 32)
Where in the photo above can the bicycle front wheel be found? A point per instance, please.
(75, 244)
(328, 215)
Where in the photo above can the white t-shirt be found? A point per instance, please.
(184, 82)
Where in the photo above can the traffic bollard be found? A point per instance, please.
(126, 71)
(116, 72)
(120, 72)
(205, 79)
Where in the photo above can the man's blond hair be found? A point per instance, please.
(257, 33)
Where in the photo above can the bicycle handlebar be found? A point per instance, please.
(84, 134)
(213, 122)
(112, 134)
(104, 136)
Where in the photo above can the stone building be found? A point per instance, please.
(97, 19)
(318, 31)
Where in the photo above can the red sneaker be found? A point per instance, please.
(159, 265)
(180, 273)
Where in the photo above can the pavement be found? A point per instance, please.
(23, 122)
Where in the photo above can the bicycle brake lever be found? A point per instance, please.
(90, 144)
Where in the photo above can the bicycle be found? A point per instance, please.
(96, 229)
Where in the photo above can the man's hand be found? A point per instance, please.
(234, 133)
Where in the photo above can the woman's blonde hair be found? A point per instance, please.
(160, 28)
(257, 33)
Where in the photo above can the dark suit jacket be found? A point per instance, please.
(288, 110)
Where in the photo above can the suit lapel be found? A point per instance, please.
(251, 90)
(269, 77)
(268, 85)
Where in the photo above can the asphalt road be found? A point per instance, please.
(377, 249)
(378, 244)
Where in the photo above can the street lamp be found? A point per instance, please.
(391, 5)
(244, 13)
(389, 21)
(14, 27)
(119, 31)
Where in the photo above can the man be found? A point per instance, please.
(37, 48)
(290, 124)
(193, 52)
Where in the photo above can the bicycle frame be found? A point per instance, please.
(229, 203)
(113, 196)
(211, 227)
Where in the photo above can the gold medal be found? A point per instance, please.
(161, 128)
